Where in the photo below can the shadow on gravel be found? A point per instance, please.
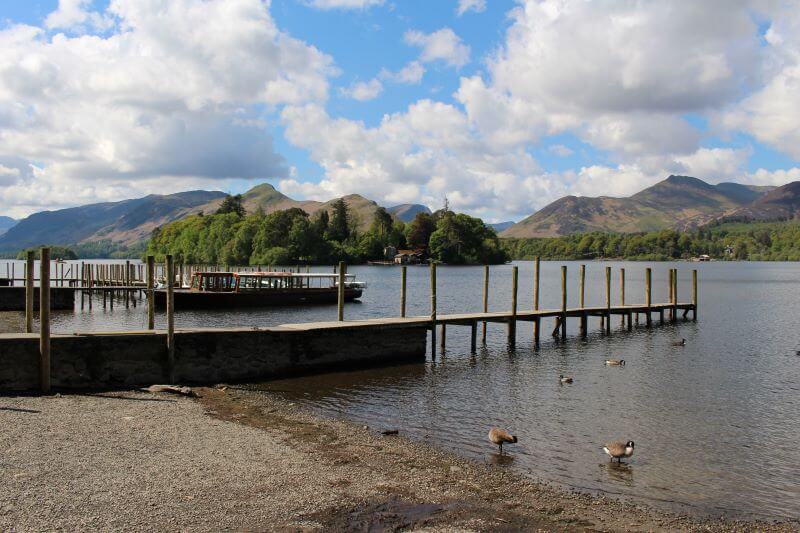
(19, 410)
(129, 398)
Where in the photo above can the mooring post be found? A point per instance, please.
(512, 323)
(473, 336)
(674, 302)
(44, 320)
(83, 282)
(151, 282)
(670, 292)
(648, 285)
(608, 300)
(563, 302)
(485, 297)
(171, 318)
(403, 291)
(582, 298)
(537, 321)
(433, 310)
(694, 294)
(29, 274)
(340, 292)
(622, 294)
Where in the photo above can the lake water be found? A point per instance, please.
(716, 423)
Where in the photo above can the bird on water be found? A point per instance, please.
(681, 342)
(562, 379)
(618, 450)
(499, 436)
(615, 362)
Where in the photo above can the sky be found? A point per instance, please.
(500, 106)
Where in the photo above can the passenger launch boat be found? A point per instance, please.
(211, 290)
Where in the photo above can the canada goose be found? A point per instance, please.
(499, 436)
(682, 342)
(615, 362)
(562, 379)
(618, 450)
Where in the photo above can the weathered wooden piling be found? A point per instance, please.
(608, 300)
(151, 281)
(433, 309)
(485, 297)
(512, 322)
(582, 299)
(563, 302)
(537, 322)
(171, 317)
(694, 294)
(674, 291)
(340, 293)
(44, 320)
(29, 275)
(403, 270)
(648, 285)
(622, 299)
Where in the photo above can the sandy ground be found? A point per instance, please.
(224, 461)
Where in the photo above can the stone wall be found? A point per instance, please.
(13, 298)
(132, 359)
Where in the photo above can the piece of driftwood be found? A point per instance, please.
(390, 432)
(171, 389)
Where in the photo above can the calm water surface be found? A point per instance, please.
(716, 423)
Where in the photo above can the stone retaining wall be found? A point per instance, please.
(13, 298)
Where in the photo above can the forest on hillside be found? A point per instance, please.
(233, 237)
(752, 241)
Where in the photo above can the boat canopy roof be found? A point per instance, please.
(321, 275)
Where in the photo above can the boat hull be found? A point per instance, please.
(188, 299)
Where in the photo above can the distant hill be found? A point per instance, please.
(6, 223)
(126, 222)
(501, 226)
(679, 202)
(781, 203)
(407, 212)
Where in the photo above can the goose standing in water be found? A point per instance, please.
(499, 436)
(682, 342)
(618, 450)
(615, 362)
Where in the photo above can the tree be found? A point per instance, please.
(382, 224)
(420, 230)
(339, 229)
(232, 204)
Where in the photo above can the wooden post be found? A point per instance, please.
(608, 300)
(512, 323)
(473, 334)
(582, 297)
(171, 318)
(29, 275)
(694, 294)
(44, 320)
(403, 291)
(82, 282)
(485, 297)
(622, 294)
(669, 292)
(563, 302)
(340, 292)
(433, 310)
(648, 285)
(674, 316)
(126, 279)
(537, 323)
(151, 281)
(443, 338)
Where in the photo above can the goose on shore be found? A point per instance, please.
(615, 362)
(562, 379)
(499, 436)
(681, 342)
(618, 450)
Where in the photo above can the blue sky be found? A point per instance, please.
(505, 107)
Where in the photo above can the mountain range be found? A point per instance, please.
(679, 202)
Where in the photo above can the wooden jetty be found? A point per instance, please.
(97, 360)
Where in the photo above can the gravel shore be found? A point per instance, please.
(234, 460)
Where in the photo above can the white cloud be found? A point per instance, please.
(364, 90)
(441, 45)
(470, 5)
(715, 165)
(344, 4)
(175, 94)
(411, 74)
(73, 15)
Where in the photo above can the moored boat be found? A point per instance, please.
(211, 290)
